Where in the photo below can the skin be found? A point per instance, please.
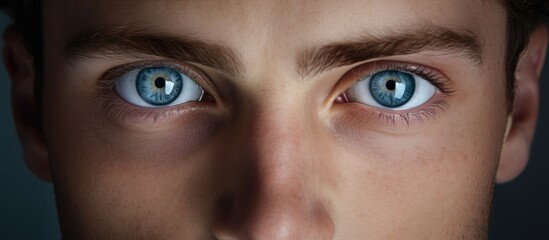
(275, 155)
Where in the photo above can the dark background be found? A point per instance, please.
(27, 206)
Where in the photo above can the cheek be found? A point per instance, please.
(115, 180)
(432, 177)
(111, 177)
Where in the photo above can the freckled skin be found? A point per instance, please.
(280, 160)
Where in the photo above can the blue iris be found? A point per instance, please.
(159, 85)
(392, 88)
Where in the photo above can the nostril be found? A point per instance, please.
(271, 219)
(225, 206)
(312, 222)
(229, 217)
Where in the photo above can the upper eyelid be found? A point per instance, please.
(443, 83)
(119, 71)
(360, 71)
(196, 74)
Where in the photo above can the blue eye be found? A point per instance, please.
(391, 89)
(157, 87)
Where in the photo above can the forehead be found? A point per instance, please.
(292, 19)
(268, 35)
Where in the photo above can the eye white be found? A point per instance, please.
(423, 91)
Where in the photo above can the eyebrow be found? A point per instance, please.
(135, 41)
(463, 43)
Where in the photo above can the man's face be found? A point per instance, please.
(274, 119)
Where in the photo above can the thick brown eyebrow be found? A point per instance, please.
(318, 59)
(133, 41)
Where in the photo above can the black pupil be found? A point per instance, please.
(391, 85)
(160, 82)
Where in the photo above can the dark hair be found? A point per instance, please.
(523, 16)
(27, 16)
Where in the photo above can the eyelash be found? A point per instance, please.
(109, 102)
(427, 111)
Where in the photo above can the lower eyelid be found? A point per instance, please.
(410, 118)
(368, 117)
(109, 104)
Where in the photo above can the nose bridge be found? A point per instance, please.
(277, 133)
(277, 141)
(276, 198)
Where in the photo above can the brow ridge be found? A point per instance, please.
(135, 41)
(461, 42)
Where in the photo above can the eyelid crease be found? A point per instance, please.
(459, 42)
(136, 40)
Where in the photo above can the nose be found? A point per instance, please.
(278, 192)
